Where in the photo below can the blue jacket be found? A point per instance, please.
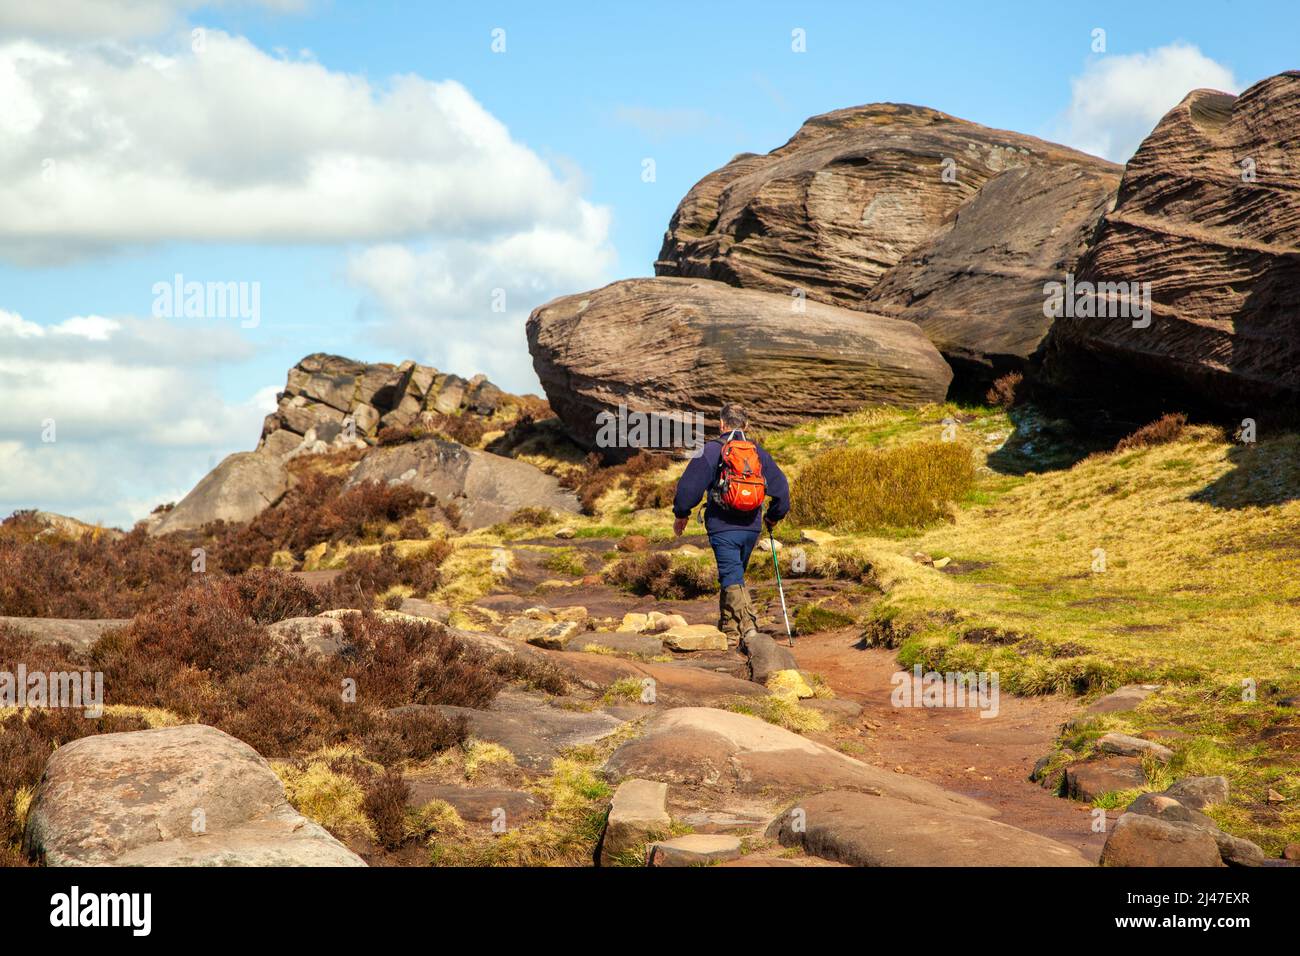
(701, 474)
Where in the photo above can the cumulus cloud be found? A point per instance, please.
(105, 145)
(103, 417)
(1118, 99)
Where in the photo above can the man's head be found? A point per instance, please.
(733, 417)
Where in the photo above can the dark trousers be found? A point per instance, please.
(731, 549)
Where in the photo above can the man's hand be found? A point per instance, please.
(770, 522)
(679, 526)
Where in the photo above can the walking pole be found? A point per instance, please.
(789, 635)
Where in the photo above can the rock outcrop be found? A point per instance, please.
(1208, 213)
(334, 400)
(976, 285)
(843, 201)
(176, 796)
(487, 488)
(239, 489)
(676, 347)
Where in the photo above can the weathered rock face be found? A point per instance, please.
(487, 488)
(976, 285)
(674, 347)
(1209, 215)
(328, 398)
(843, 201)
(130, 800)
(238, 489)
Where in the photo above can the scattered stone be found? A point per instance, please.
(1275, 797)
(554, 635)
(321, 636)
(767, 544)
(1197, 793)
(1292, 852)
(1089, 780)
(128, 799)
(417, 607)
(1126, 746)
(637, 814)
(766, 657)
(575, 613)
(942, 563)
(633, 542)
(695, 637)
(1140, 840)
(861, 829)
(657, 622)
(77, 634)
(566, 533)
(694, 849)
(1122, 699)
(634, 623)
(838, 709)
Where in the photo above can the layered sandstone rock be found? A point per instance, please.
(674, 347)
(1209, 215)
(976, 285)
(334, 400)
(844, 201)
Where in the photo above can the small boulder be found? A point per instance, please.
(633, 542)
(1089, 780)
(237, 490)
(1124, 745)
(694, 849)
(554, 635)
(321, 636)
(1199, 792)
(1140, 840)
(766, 657)
(637, 814)
(695, 637)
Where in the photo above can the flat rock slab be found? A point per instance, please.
(79, 634)
(695, 637)
(694, 849)
(477, 804)
(675, 684)
(718, 749)
(534, 731)
(866, 830)
(1090, 780)
(621, 642)
(421, 608)
(1122, 699)
(1125, 745)
(726, 821)
(130, 799)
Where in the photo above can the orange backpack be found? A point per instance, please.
(741, 485)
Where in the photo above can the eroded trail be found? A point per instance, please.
(985, 758)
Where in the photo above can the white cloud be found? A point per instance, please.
(113, 18)
(106, 145)
(135, 410)
(1118, 99)
(461, 306)
(657, 124)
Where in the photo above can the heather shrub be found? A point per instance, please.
(1007, 391)
(663, 575)
(385, 807)
(1165, 429)
(862, 489)
(596, 477)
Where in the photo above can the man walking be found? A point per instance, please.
(736, 475)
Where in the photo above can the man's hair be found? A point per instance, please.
(733, 416)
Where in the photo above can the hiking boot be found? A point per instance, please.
(748, 616)
(731, 601)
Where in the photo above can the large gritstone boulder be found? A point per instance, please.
(677, 347)
(1206, 229)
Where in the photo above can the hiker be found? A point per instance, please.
(737, 475)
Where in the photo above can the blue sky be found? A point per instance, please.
(525, 174)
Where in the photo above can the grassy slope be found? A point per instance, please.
(1200, 591)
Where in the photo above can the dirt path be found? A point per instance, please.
(985, 758)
